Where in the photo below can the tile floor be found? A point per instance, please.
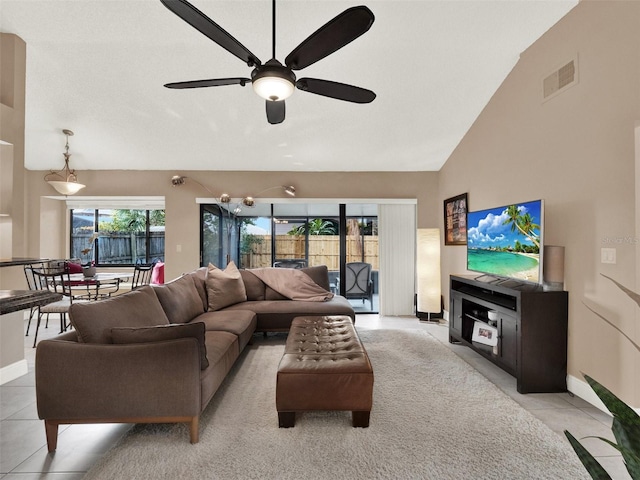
(23, 452)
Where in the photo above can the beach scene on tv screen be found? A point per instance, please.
(505, 241)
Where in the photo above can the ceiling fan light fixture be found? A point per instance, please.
(273, 82)
(273, 88)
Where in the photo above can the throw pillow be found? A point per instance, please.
(164, 332)
(271, 294)
(157, 275)
(73, 267)
(319, 274)
(199, 278)
(93, 321)
(180, 300)
(253, 285)
(224, 287)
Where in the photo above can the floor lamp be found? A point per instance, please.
(428, 273)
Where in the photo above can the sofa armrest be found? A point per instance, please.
(82, 381)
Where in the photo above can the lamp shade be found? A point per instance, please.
(553, 267)
(428, 270)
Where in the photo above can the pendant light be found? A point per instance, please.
(65, 181)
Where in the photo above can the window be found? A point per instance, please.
(117, 236)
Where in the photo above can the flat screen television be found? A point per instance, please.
(506, 242)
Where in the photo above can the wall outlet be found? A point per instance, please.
(178, 248)
(607, 255)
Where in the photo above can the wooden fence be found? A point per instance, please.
(323, 250)
(123, 248)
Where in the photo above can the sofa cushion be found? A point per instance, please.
(164, 332)
(222, 352)
(180, 299)
(277, 315)
(93, 321)
(253, 285)
(239, 322)
(224, 287)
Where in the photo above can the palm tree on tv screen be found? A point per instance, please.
(523, 223)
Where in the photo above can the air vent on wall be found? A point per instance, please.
(560, 79)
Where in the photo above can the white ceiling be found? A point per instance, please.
(98, 67)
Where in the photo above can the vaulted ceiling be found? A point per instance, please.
(98, 68)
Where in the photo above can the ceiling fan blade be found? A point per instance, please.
(339, 91)
(214, 82)
(211, 29)
(275, 111)
(332, 36)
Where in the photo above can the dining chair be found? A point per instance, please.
(79, 289)
(32, 285)
(56, 282)
(141, 275)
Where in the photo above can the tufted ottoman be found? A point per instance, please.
(324, 367)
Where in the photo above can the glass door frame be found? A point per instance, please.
(215, 209)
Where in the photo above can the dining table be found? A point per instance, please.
(100, 285)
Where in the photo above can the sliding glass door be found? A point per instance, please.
(295, 235)
(362, 257)
(219, 232)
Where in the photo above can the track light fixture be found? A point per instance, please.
(225, 198)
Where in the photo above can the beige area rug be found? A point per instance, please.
(434, 417)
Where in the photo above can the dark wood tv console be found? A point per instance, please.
(531, 328)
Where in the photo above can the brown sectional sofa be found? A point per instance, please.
(156, 355)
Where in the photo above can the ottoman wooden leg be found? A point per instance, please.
(286, 419)
(360, 419)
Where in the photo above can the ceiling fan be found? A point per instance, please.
(274, 81)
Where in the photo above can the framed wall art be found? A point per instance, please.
(455, 220)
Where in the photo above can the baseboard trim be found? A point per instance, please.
(583, 390)
(575, 385)
(13, 371)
